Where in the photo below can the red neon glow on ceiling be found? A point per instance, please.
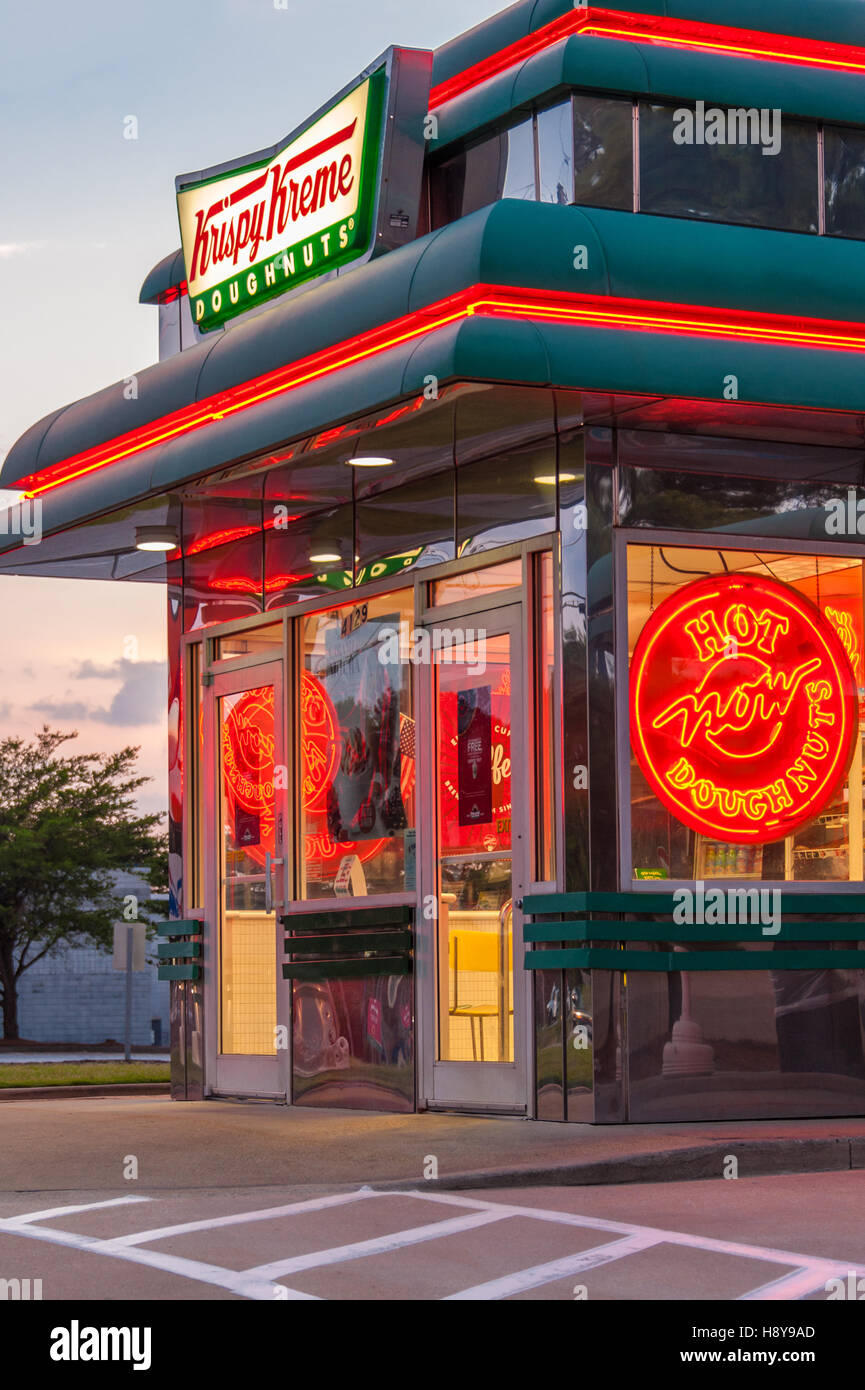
(485, 301)
(743, 708)
(596, 22)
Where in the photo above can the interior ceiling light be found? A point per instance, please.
(369, 463)
(156, 538)
(325, 558)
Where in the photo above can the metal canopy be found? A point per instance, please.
(643, 258)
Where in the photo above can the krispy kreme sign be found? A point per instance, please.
(254, 230)
(744, 709)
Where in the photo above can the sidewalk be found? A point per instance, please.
(73, 1143)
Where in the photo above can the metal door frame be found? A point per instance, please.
(227, 1073)
(503, 1087)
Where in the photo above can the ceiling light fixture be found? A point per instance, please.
(161, 538)
(369, 463)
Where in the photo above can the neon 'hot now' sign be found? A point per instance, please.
(743, 708)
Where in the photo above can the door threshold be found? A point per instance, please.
(268, 1097)
(462, 1107)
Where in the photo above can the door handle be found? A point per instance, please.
(269, 865)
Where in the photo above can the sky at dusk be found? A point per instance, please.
(84, 214)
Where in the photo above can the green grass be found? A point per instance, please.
(81, 1073)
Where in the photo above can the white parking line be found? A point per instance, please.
(27, 1217)
(379, 1245)
(797, 1285)
(538, 1275)
(235, 1281)
(807, 1274)
(238, 1218)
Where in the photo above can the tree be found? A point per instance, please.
(68, 823)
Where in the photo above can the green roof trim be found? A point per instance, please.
(648, 71)
(837, 21)
(644, 257)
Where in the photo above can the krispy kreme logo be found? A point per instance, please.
(743, 708)
(265, 227)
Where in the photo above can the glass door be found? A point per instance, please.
(480, 792)
(250, 876)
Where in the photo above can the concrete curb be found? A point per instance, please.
(755, 1158)
(123, 1088)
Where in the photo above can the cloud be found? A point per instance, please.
(140, 700)
(62, 709)
(89, 671)
(8, 249)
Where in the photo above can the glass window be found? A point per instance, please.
(494, 419)
(474, 793)
(492, 579)
(520, 170)
(471, 179)
(406, 527)
(545, 705)
(266, 637)
(844, 163)
(248, 750)
(556, 153)
(309, 555)
(603, 152)
(357, 750)
(728, 166)
(732, 704)
(506, 498)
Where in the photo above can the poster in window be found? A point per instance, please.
(474, 756)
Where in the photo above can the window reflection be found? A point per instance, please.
(728, 182)
(520, 174)
(556, 154)
(844, 161)
(357, 750)
(603, 152)
(406, 527)
(506, 498)
(309, 556)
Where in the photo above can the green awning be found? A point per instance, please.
(614, 66)
(643, 258)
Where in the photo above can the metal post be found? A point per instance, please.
(129, 945)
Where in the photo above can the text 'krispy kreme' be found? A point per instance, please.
(256, 230)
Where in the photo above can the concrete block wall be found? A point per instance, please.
(77, 996)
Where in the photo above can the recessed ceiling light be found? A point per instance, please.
(325, 558)
(161, 538)
(550, 478)
(369, 463)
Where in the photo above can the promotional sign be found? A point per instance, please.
(743, 708)
(344, 185)
(462, 831)
(474, 756)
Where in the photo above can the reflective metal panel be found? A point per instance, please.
(745, 1044)
(579, 1046)
(353, 1043)
(549, 1045)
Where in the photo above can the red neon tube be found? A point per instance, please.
(597, 22)
(485, 301)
